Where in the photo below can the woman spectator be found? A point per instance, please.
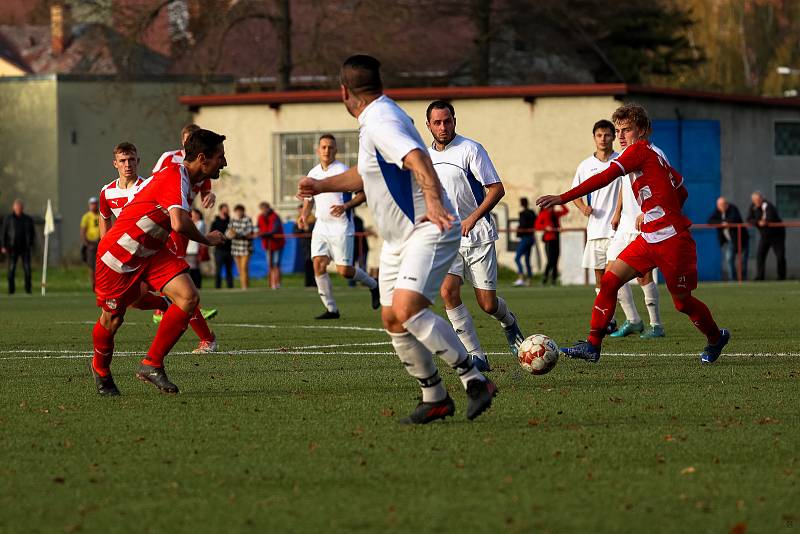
(548, 222)
(193, 250)
(270, 229)
(241, 233)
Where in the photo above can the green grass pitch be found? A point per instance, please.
(293, 426)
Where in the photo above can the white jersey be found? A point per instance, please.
(171, 156)
(630, 205)
(328, 224)
(113, 198)
(603, 201)
(386, 135)
(464, 168)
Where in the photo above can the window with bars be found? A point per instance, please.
(787, 138)
(787, 201)
(297, 155)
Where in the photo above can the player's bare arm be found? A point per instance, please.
(420, 165)
(617, 212)
(349, 180)
(105, 226)
(305, 213)
(582, 206)
(182, 223)
(358, 199)
(494, 192)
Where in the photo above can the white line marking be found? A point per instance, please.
(254, 325)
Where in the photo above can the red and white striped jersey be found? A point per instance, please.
(175, 157)
(143, 227)
(113, 198)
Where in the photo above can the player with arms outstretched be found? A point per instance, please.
(664, 242)
(134, 252)
(420, 234)
(474, 187)
(332, 238)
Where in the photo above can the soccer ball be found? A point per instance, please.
(538, 354)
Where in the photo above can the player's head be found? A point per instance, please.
(360, 79)
(631, 123)
(757, 198)
(722, 204)
(93, 205)
(205, 153)
(326, 149)
(603, 133)
(18, 207)
(126, 160)
(441, 121)
(188, 130)
(524, 202)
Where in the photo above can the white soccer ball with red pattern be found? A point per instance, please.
(538, 354)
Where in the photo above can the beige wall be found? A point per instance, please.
(535, 146)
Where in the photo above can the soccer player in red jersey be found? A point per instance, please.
(134, 252)
(664, 242)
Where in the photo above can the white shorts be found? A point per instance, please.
(478, 265)
(618, 244)
(420, 264)
(594, 255)
(339, 248)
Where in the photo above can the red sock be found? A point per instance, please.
(172, 327)
(200, 326)
(604, 305)
(699, 315)
(148, 301)
(103, 341)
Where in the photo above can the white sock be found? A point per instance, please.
(465, 328)
(362, 276)
(651, 301)
(440, 339)
(419, 363)
(625, 297)
(503, 314)
(325, 291)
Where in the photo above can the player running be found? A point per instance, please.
(134, 252)
(599, 205)
(332, 237)
(474, 188)
(664, 242)
(420, 234)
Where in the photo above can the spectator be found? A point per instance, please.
(193, 250)
(727, 213)
(527, 239)
(241, 232)
(361, 244)
(270, 229)
(304, 245)
(548, 222)
(17, 242)
(222, 253)
(763, 212)
(90, 236)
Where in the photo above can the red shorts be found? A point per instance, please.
(116, 291)
(675, 257)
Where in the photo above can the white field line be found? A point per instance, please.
(253, 325)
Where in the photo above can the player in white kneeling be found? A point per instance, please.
(473, 186)
(332, 237)
(421, 235)
(624, 222)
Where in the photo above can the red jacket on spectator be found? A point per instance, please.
(271, 224)
(548, 222)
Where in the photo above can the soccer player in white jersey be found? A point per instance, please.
(116, 194)
(332, 237)
(599, 206)
(421, 235)
(473, 186)
(624, 224)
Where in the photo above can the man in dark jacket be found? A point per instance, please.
(17, 242)
(222, 253)
(527, 240)
(729, 239)
(763, 212)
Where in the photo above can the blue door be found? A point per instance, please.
(693, 147)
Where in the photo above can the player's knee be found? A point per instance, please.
(610, 282)
(450, 295)
(681, 302)
(488, 303)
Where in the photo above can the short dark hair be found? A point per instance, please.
(223, 205)
(125, 148)
(524, 202)
(439, 104)
(603, 124)
(238, 207)
(326, 136)
(202, 142)
(361, 74)
(197, 211)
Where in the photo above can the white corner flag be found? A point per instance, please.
(49, 228)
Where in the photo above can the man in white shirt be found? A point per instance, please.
(332, 237)
(474, 188)
(599, 206)
(421, 235)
